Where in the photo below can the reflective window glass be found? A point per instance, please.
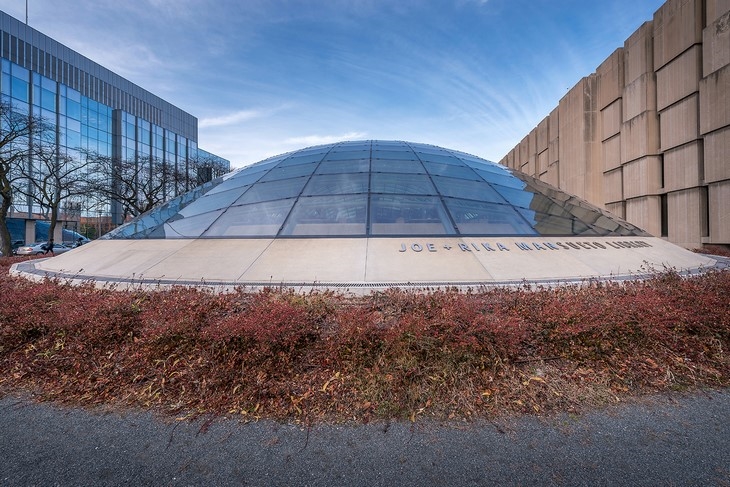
(517, 197)
(213, 201)
(382, 165)
(505, 179)
(397, 155)
(286, 188)
(352, 146)
(553, 225)
(441, 159)
(337, 184)
(451, 171)
(401, 184)
(241, 179)
(284, 172)
(327, 215)
(191, 226)
(297, 159)
(261, 219)
(347, 155)
(466, 189)
(331, 167)
(408, 215)
(475, 217)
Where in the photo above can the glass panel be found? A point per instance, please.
(408, 215)
(285, 172)
(298, 158)
(380, 165)
(327, 215)
(352, 146)
(337, 184)
(331, 167)
(470, 190)
(441, 158)
(401, 184)
(553, 225)
(347, 155)
(285, 188)
(261, 219)
(193, 226)
(451, 171)
(477, 218)
(213, 201)
(516, 197)
(404, 155)
(505, 179)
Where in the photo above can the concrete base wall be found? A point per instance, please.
(647, 136)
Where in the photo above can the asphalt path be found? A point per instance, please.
(669, 440)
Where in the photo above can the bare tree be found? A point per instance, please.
(52, 179)
(137, 185)
(16, 131)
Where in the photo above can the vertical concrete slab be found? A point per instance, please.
(542, 162)
(611, 119)
(613, 186)
(612, 153)
(640, 137)
(715, 100)
(645, 213)
(639, 96)
(683, 166)
(687, 217)
(715, 9)
(542, 135)
(677, 27)
(719, 202)
(679, 78)
(639, 53)
(716, 44)
(679, 123)
(717, 156)
(642, 177)
(618, 209)
(30, 236)
(610, 79)
(554, 136)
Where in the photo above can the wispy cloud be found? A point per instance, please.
(325, 139)
(231, 118)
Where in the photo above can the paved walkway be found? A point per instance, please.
(678, 440)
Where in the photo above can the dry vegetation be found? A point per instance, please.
(395, 354)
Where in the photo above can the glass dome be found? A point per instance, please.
(373, 189)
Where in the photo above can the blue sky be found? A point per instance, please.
(269, 76)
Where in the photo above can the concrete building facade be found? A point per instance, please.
(647, 135)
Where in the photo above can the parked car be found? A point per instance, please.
(39, 248)
(14, 245)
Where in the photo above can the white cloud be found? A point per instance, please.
(230, 119)
(308, 140)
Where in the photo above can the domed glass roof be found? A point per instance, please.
(373, 188)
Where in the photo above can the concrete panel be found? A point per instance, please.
(687, 217)
(554, 125)
(542, 135)
(642, 177)
(552, 176)
(716, 44)
(529, 167)
(639, 53)
(611, 153)
(715, 100)
(610, 79)
(542, 162)
(679, 78)
(680, 123)
(611, 119)
(677, 27)
(645, 213)
(639, 96)
(719, 203)
(717, 156)
(683, 166)
(640, 137)
(580, 167)
(618, 209)
(613, 188)
(714, 9)
(524, 152)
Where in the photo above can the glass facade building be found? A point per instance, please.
(90, 108)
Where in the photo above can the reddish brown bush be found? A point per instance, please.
(396, 353)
